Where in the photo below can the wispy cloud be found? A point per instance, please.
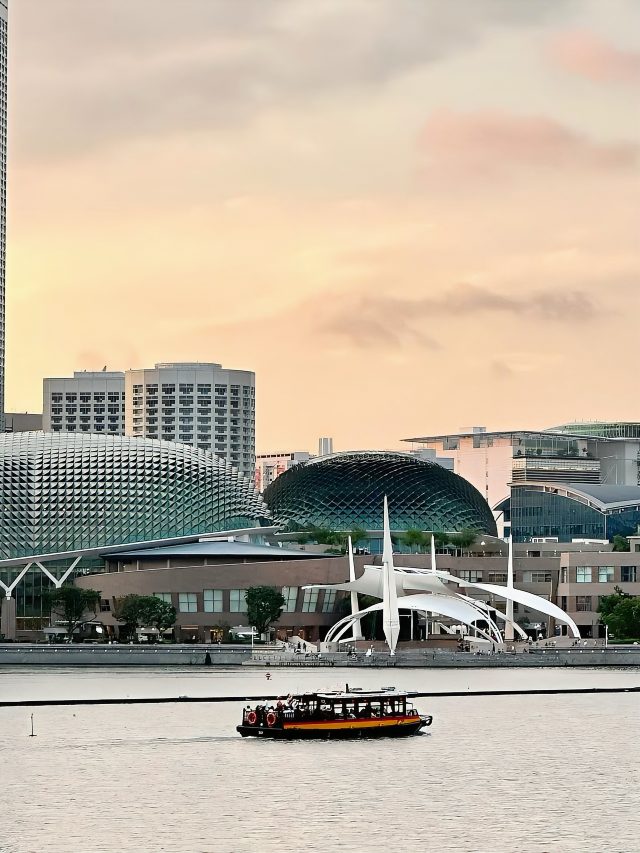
(488, 143)
(587, 55)
(365, 320)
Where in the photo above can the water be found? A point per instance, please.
(492, 775)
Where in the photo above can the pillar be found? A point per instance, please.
(8, 620)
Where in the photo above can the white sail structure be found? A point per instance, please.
(390, 613)
(357, 628)
(430, 592)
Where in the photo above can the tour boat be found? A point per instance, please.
(334, 714)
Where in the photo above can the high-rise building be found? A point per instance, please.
(271, 465)
(3, 189)
(196, 403)
(91, 401)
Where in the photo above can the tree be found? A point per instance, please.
(264, 606)
(75, 605)
(414, 537)
(357, 534)
(620, 612)
(441, 539)
(464, 539)
(621, 543)
(145, 611)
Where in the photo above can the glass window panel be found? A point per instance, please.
(329, 600)
(163, 596)
(605, 574)
(310, 601)
(237, 602)
(213, 601)
(187, 602)
(583, 574)
(291, 596)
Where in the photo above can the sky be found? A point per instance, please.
(406, 216)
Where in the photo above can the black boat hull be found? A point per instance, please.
(308, 732)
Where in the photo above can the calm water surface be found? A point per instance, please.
(492, 775)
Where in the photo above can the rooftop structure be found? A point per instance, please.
(346, 489)
(65, 491)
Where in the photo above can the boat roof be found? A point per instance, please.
(353, 694)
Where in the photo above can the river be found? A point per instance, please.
(493, 774)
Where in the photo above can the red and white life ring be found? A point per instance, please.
(252, 718)
(271, 718)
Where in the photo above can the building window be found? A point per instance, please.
(310, 601)
(497, 577)
(105, 606)
(187, 602)
(163, 596)
(536, 577)
(563, 575)
(563, 603)
(329, 600)
(213, 601)
(583, 603)
(605, 574)
(583, 574)
(237, 600)
(470, 575)
(628, 574)
(291, 597)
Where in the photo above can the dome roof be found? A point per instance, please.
(347, 489)
(62, 492)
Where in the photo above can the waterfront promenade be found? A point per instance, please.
(17, 654)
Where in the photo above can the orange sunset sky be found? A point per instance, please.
(405, 216)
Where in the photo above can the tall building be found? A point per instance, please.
(195, 403)
(271, 465)
(91, 401)
(3, 190)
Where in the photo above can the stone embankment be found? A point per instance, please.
(18, 654)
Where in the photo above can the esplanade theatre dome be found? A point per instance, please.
(62, 492)
(346, 489)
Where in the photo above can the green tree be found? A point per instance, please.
(145, 611)
(608, 603)
(414, 537)
(357, 534)
(441, 539)
(464, 539)
(620, 612)
(264, 606)
(74, 605)
(621, 543)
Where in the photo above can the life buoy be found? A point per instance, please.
(252, 718)
(271, 718)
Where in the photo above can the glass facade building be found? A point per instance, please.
(347, 489)
(552, 510)
(68, 491)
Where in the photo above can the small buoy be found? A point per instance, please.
(32, 732)
(268, 676)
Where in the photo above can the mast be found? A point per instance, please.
(390, 614)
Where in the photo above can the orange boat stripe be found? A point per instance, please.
(351, 724)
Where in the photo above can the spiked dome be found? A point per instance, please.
(60, 492)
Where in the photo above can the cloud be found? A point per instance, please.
(365, 320)
(587, 55)
(489, 143)
(93, 74)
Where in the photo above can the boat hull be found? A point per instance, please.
(342, 730)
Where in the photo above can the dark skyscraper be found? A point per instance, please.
(3, 190)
